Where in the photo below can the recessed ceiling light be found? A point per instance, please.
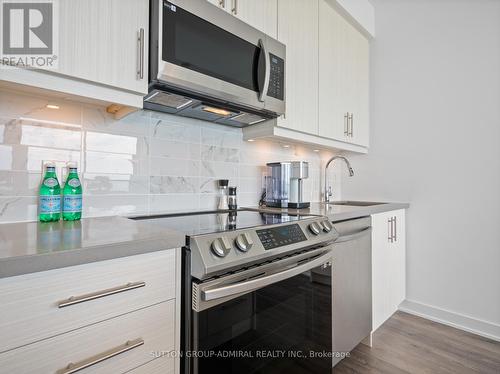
(52, 106)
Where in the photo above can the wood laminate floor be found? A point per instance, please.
(410, 344)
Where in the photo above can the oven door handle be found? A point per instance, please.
(256, 283)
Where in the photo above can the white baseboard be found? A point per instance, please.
(476, 326)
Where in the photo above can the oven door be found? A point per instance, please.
(205, 50)
(270, 319)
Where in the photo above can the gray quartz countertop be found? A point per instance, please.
(30, 247)
(342, 212)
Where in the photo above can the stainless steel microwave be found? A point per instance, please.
(206, 63)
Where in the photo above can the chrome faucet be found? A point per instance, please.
(328, 189)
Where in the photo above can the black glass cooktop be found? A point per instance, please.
(211, 222)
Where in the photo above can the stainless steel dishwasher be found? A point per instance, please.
(351, 279)
(351, 285)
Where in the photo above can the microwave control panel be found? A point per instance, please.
(277, 77)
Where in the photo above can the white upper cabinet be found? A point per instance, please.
(359, 86)
(105, 41)
(102, 55)
(327, 78)
(344, 79)
(261, 14)
(332, 112)
(298, 30)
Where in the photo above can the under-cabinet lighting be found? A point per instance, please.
(52, 106)
(286, 146)
(221, 112)
(250, 140)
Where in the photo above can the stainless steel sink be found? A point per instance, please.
(355, 203)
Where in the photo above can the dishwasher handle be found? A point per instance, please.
(353, 236)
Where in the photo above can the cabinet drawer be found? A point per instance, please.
(40, 305)
(150, 329)
(162, 365)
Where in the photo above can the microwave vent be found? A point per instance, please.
(167, 99)
(248, 118)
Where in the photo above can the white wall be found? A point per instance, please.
(436, 143)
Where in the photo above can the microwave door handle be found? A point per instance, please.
(263, 92)
(257, 283)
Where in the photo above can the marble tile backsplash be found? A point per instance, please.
(145, 163)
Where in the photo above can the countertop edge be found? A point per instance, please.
(367, 211)
(355, 212)
(21, 265)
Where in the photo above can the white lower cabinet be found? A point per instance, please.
(161, 365)
(102, 346)
(110, 316)
(32, 306)
(388, 264)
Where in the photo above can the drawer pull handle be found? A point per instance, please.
(98, 294)
(74, 367)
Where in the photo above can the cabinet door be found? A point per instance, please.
(359, 85)
(298, 30)
(399, 293)
(388, 265)
(220, 3)
(343, 78)
(261, 14)
(98, 42)
(333, 103)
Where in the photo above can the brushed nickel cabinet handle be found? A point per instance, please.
(80, 365)
(98, 294)
(395, 229)
(234, 9)
(346, 124)
(352, 125)
(390, 230)
(140, 47)
(349, 125)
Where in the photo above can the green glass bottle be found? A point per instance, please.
(49, 201)
(72, 195)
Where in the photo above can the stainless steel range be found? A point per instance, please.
(253, 302)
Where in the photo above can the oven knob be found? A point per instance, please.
(244, 242)
(221, 247)
(327, 226)
(314, 228)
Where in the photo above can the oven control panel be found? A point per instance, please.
(277, 77)
(282, 235)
